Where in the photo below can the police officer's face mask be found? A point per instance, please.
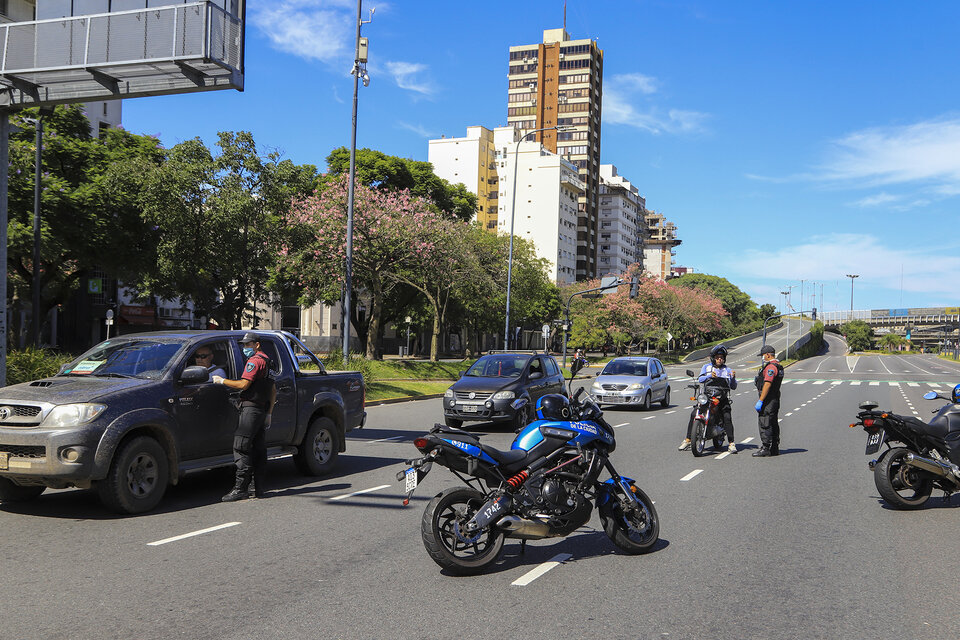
(249, 351)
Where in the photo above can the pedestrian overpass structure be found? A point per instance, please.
(928, 326)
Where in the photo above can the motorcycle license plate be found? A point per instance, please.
(469, 408)
(410, 480)
(874, 440)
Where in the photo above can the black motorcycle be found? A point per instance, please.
(906, 476)
(706, 415)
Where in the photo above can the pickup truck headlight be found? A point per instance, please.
(448, 393)
(636, 385)
(72, 415)
(504, 395)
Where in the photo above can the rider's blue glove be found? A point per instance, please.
(758, 406)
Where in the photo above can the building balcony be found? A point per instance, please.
(194, 46)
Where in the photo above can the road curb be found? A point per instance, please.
(431, 396)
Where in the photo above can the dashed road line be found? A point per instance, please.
(536, 572)
(157, 543)
(747, 440)
(620, 425)
(693, 474)
(357, 493)
(385, 439)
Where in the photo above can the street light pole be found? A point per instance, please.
(852, 276)
(359, 70)
(513, 210)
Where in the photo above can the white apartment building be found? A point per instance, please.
(623, 227)
(470, 160)
(547, 189)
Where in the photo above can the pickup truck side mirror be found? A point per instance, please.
(194, 375)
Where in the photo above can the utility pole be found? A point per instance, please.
(852, 277)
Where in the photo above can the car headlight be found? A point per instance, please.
(635, 385)
(597, 385)
(504, 395)
(72, 415)
(448, 393)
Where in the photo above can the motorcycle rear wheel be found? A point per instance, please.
(634, 533)
(902, 486)
(699, 440)
(447, 544)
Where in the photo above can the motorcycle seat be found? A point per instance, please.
(936, 427)
(505, 458)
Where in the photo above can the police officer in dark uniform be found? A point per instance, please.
(768, 406)
(256, 403)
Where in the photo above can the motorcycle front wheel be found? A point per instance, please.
(699, 440)
(902, 486)
(637, 531)
(444, 538)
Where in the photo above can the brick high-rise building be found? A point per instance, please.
(560, 82)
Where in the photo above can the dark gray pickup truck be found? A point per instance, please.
(134, 414)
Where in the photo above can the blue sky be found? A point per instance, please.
(788, 141)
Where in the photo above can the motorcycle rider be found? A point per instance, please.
(717, 368)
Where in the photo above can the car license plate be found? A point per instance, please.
(469, 408)
(874, 440)
(410, 480)
(613, 394)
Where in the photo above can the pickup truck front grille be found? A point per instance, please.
(19, 410)
(24, 451)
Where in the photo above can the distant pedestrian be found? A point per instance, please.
(257, 396)
(768, 406)
(579, 362)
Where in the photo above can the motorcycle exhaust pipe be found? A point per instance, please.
(932, 466)
(522, 528)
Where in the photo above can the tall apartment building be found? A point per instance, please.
(658, 253)
(559, 82)
(472, 161)
(623, 225)
(548, 189)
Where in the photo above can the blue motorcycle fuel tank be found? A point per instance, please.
(586, 432)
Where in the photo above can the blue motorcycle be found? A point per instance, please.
(545, 486)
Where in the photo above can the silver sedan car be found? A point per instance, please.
(632, 381)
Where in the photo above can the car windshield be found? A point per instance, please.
(623, 368)
(498, 367)
(125, 359)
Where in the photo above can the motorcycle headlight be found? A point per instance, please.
(72, 415)
(702, 398)
(635, 385)
(448, 393)
(504, 395)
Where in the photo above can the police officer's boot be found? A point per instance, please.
(239, 492)
(257, 489)
(763, 452)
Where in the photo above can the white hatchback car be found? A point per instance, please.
(632, 381)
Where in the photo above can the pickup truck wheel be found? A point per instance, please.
(317, 454)
(137, 478)
(10, 491)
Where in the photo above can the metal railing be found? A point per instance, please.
(143, 36)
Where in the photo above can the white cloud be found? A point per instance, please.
(875, 200)
(623, 91)
(418, 129)
(926, 152)
(830, 257)
(320, 30)
(408, 75)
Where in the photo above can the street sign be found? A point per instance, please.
(546, 332)
(611, 282)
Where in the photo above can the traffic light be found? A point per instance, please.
(814, 313)
(634, 286)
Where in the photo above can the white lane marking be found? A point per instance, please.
(386, 439)
(875, 383)
(914, 384)
(722, 455)
(883, 365)
(855, 359)
(935, 385)
(620, 425)
(192, 534)
(357, 493)
(801, 382)
(894, 384)
(535, 573)
(837, 382)
(789, 414)
(855, 383)
(745, 441)
(819, 382)
(916, 413)
(669, 412)
(691, 475)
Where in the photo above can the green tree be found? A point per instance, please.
(742, 310)
(89, 220)
(221, 221)
(858, 333)
(378, 170)
(891, 341)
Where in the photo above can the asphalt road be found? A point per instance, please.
(798, 546)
